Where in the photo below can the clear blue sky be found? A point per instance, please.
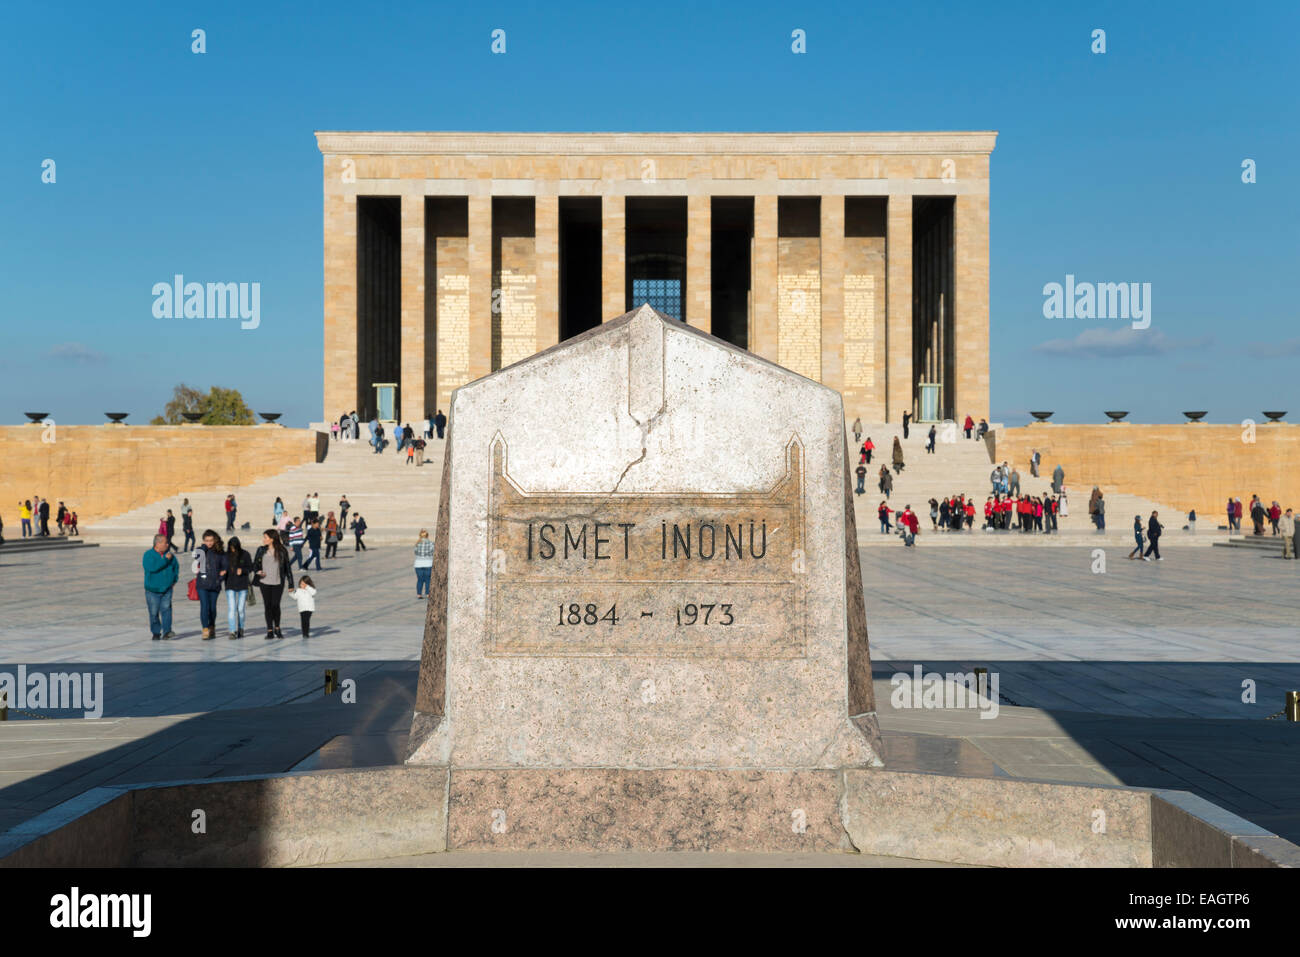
(1124, 166)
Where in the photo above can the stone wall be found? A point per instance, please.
(105, 470)
(1182, 466)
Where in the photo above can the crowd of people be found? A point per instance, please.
(34, 519)
(226, 566)
(219, 566)
(412, 441)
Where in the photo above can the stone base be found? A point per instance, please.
(392, 812)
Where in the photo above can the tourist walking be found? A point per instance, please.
(1286, 526)
(239, 570)
(911, 526)
(1034, 459)
(861, 472)
(1154, 528)
(1137, 534)
(968, 425)
(1274, 516)
(187, 525)
(423, 564)
(305, 596)
(898, 456)
(161, 570)
(344, 505)
(867, 448)
(25, 517)
(1257, 514)
(1013, 483)
(857, 431)
(45, 518)
(171, 526)
(332, 536)
(63, 513)
(882, 513)
(313, 543)
(230, 513)
(209, 568)
(929, 444)
(296, 537)
(886, 481)
(1058, 480)
(440, 422)
(907, 418)
(272, 572)
(277, 510)
(359, 529)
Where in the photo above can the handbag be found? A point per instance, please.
(194, 589)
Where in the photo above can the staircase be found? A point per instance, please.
(963, 466)
(396, 499)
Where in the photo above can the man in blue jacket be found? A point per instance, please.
(160, 573)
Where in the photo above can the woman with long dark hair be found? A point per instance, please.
(272, 572)
(239, 566)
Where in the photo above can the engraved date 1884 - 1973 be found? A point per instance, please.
(689, 614)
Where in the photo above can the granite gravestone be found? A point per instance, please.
(645, 558)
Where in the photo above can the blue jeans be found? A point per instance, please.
(297, 556)
(422, 576)
(160, 610)
(208, 607)
(236, 602)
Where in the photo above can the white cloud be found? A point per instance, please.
(1119, 342)
(75, 352)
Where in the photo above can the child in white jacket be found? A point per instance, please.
(305, 596)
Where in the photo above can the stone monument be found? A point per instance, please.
(645, 558)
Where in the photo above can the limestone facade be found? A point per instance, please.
(483, 232)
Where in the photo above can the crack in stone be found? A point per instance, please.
(645, 427)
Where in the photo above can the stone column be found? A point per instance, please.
(480, 286)
(832, 290)
(763, 337)
(970, 306)
(414, 355)
(699, 262)
(898, 308)
(340, 339)
(613, 257)
(546, 225)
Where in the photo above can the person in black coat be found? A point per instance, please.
(209, 574)
(1154, 528)
(237, 579)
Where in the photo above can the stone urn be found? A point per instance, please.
(1194, 416)
(1042, 416)
(37, 417)
(270, 417)
(1116, 416)
(115, 418)
(192, 417)
(1275, 416)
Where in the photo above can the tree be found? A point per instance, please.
(219, 407)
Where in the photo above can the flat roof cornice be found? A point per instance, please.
(602, 144)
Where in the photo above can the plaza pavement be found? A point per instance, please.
(1133, 676)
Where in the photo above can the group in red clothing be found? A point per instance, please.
(1029, 513)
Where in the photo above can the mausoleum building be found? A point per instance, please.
(858, 260)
